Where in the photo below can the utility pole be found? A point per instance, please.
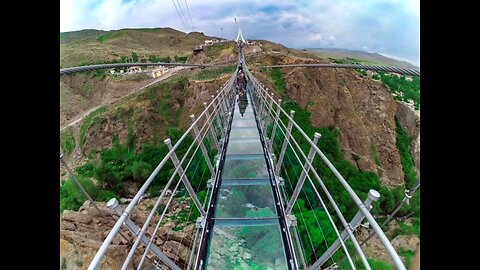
(222, 31)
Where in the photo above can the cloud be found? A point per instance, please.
(386, 26)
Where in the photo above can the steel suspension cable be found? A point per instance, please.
(403, 71)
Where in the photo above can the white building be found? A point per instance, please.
(158, 72)
(134, 69)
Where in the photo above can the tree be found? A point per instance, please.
(134, 57)
(141, 170)
(71, 198)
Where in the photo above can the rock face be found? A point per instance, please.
(82, 233)
(409, 118)
(362, 108)
(375, 249)
(182, 99)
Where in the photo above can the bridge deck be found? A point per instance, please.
(246, 229)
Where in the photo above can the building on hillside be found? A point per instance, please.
(211, 41)
(198, 49)
(370, 74)
(134, 69)
(158, 72)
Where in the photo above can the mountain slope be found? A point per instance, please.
(93, 46)
(363, 109)
(369, 58)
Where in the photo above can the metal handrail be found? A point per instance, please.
(117, 65)
(116, 228)
(393, 254)
(147, 222)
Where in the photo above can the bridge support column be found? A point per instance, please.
(184, 178)
(285, 143)
(213, 133)
(113, 204)
(292, 222)
(373, 196)
(199, 140)
(199, 226)
(275, 123)
(303, 175)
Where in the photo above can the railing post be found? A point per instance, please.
(220, 112)
(202, 145)
(262, 101)
(299, 246)
(113, 204)
(275, 123)
(224, 104)
(373, 196)
(213, 133)
(184, 178)
(268, 118)
(285, 143)
(303, 175)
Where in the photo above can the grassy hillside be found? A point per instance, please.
(95, 46)
(69, 37)
(364, 57)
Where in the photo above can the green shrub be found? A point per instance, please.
(71, 197)
(180, 59)
(401, 86)
(276, 76)
(141, 170)
(195, 213)
(209, 74)
(408, 255)
(105, 196)
(86, 170)
(67, 140)
(408, 165)
(362, 72)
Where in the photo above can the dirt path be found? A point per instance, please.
(84, 114)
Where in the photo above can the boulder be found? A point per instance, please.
(68, 226)
(76, 217)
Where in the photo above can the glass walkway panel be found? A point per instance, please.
(246, 228)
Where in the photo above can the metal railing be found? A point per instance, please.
(403, 71)
(71, 70)
(279, 125)
(208, 130)
(290, 150)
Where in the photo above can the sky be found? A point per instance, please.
(388, 27)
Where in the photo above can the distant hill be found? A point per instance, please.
(366, 57)
(68, 37)
(92, 46)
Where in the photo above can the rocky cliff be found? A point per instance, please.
(82, 232)
(148, 114)
(409, 118)
(363, 109)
